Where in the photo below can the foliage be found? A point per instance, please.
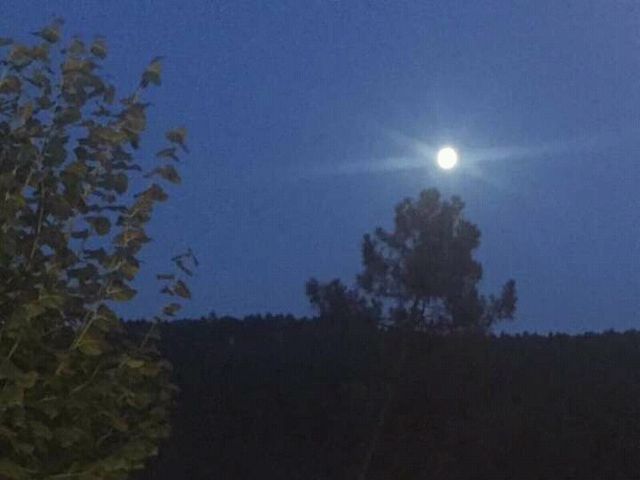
(79, 397)
(424, 274)
(278, 397)
(424, 269)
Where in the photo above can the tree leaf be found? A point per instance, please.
(168, 172)
(168, 153)
(9, 371)
(91, 344)
(51, 33)
(181, 289)
(171, 309)
(20, 56)
(178, 136)
(12, 470)
(134, 363)
(10, 84)
(28, 380)
(120, 182)
(99, 48)
(106, 320)
(101, 225)
(152, 74)
(130, 268)
(12, 396)
(121, 292)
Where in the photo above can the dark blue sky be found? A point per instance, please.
(306, 120)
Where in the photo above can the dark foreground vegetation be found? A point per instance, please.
(280, 398)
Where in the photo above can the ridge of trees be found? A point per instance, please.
(282, 397)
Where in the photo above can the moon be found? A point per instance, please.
(447, 158)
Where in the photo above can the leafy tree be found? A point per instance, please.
(79, 397)
(424, 271)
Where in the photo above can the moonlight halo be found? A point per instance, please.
(447, 158)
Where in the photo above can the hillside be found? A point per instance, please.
(280, 398)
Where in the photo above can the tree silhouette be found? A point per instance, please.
(424, 272)
(421, 276)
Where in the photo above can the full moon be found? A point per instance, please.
(447, 158)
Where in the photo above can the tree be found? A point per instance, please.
(79, 397)
(424, 274)
(424, 271)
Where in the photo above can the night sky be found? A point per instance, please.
(310, 119)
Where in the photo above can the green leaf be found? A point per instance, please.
(50, 33)
(49, 408)
(130, 268)
(168, 172)
(120, 182)
(9, 371)
(12, 396)
(20, 56)
(41, 430)
(152, 74)
(32, 310)
(106, 320)
(12, 470)
(134, 362)
(25, 111)
(99, 48)
(51, 300)
(171, 309)
(67, 436)
(178, 136)
(181, 289)
(150, 369)
(155, 193)
(132, 237)
(68, 116)
(76, 47)
(10, 84)
(28, 380)
(168, 153)
(6, 433)
(121, 292)
(23, 448)
(120, 424)
(101, 225)
(91, 344)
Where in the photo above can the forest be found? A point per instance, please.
(278, 397)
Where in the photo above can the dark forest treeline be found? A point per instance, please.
(281, 398)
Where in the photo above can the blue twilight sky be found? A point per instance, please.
(310, 119)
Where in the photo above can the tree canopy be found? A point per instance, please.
(422, 274)
(425, 270)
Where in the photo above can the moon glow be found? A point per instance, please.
(447, 158)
